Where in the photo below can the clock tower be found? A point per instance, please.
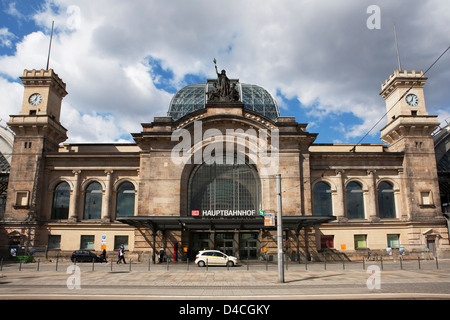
(403, 92)
(408, 131)
(37, 131)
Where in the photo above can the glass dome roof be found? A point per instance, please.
(193, 97)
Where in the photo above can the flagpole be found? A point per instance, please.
(50, 46)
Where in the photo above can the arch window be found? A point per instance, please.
(225, 187)
(125, 200)
(93, 201)
(322, 200)
(354, 201)
(61, 201)
(386, 201)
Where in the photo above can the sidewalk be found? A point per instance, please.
(333, 281)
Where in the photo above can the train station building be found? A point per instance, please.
(204, 177)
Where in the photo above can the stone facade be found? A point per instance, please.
(160, 185)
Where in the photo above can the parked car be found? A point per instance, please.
(214, 258)
(84, 256)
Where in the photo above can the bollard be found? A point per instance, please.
(206, 264)
(364, 264)
(129, 268)
(437, 263)
(20, 264)
(38, 262)
(148, 267)
(56, 265)
(187, 262)
(267, 264)
(111, 262)
(306, 263)
(343, 264)
(401, 263)
(1, 264)
(381, 261)
(167, 265)
(324, 263)
(93, 260)
(418, 260)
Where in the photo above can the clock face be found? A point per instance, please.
(35, 99)
(412, 100)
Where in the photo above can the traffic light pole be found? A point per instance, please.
(279, 232)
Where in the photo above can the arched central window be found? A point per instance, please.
(224, 187)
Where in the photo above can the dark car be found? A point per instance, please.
(84, 256)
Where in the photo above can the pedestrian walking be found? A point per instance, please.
(121, 255)
(103, 256)
(161, 255)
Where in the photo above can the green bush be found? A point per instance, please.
(23, 259)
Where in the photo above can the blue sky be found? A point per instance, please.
(123, 61)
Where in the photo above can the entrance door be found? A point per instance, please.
(248, 246)
(199, 241)
(431, 246)
(224, 242)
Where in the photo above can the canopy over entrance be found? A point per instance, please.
(184, 223)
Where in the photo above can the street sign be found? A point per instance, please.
(261, 213)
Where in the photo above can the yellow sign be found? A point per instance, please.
(343, 246)
(103, 247)
(264, 249)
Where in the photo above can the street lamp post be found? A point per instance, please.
(279, 232)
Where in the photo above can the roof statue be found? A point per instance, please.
(223, 91)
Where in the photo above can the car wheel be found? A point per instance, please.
(201, 263)
(230, 263)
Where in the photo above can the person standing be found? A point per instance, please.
(121, 255)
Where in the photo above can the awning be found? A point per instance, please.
(185, 223)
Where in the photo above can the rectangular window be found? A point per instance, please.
(425, 198)
(393, 240)
(22, 198)
(327, 242)
(360, 241)
(54, 242)
(87, 242)
(120, 241)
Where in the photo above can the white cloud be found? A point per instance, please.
(319, 52)
(5, 37)
(11, 93)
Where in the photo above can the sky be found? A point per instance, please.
(323, 60)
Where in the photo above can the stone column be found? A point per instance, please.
(106, 215)
(340, 208)
(373, 215)
(73, 205)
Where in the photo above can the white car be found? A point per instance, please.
(214, 258)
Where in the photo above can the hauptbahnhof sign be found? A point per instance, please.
(223, 213)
